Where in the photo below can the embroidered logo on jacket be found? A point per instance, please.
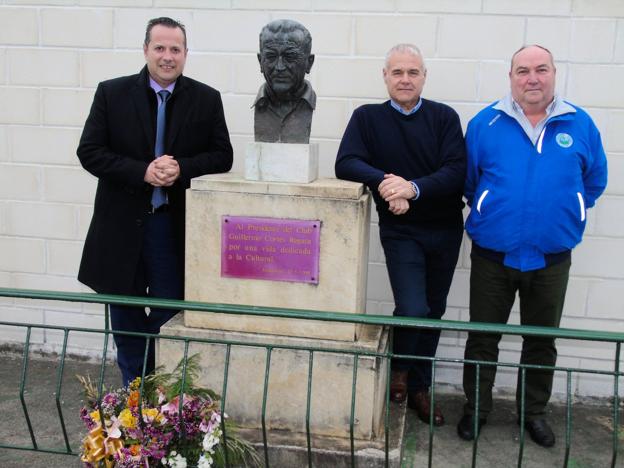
(564, 140)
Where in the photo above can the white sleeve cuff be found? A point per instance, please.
(416, 190)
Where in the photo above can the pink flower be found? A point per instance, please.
(172, 408)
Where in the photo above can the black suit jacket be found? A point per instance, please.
(117, 145)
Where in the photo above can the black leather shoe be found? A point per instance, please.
(540, 432)
(420, 401)
(465, 427)
(398, 386)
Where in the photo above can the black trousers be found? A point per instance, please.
(493, 288)
(159, 276)
(421, 262)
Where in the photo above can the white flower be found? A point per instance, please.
(205, 461)
(210, 440)
(175, 460)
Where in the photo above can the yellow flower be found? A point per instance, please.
(95, 415)
(152, 414)
(135, 384)
(127, 419)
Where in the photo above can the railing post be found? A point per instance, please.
(522, 412)
(269, 349)
(568, 417)
(226, 371)
(352, 417)
(23, 387)
(431, 412)
(308, 405)
(59, 380)
(616, 404)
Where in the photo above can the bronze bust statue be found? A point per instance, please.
(284, 104)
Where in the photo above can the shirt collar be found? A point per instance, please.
(397, 107)
(557, 107)
(265, 95)
(156, 87)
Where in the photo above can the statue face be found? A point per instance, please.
(284, 63)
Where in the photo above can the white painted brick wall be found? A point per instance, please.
(53, 53)
(45, 220)
(606, 8)
(217, 69)
(527, 7)
(593, 39)
(211, 27)
(43, 67)
(554, 33)
(68, 185)
(440, 6)
(22, 255)
(63, 257)
(4, 147)
(484, 37)
(331, 33)
(614, 134)
(66, 107)
(584, 90)
(20, 182)
(619, 43)
(19, 105)
(70, 27)
(394, 29)
(19, 26)
(354, 5)
(616, 166)
(3, 67)
(43, 145)
(96, 65)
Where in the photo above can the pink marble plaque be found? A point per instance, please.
(270, 248)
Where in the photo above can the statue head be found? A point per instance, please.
(285, 57)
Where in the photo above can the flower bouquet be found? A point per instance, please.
(163, 420)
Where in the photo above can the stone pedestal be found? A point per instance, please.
(344, 211)
(221, 209)
(281, 162)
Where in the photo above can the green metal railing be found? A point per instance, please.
(583, 335)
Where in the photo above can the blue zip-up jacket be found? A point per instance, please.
(529, 200)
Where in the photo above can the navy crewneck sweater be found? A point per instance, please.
(426, 147)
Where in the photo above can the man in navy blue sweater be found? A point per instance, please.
(410, 153)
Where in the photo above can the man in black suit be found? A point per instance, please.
(146, 137)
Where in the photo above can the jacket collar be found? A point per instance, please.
(512, 108)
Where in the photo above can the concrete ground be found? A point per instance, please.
(591, 442)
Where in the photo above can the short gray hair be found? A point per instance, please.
(404, 49)
(526, 46)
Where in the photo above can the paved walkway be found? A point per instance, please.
(591, 437)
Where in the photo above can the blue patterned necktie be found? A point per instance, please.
(159, 197)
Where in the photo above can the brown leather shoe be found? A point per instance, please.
(398, 386)
(419, 401)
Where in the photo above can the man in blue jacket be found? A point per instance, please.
(535, 164)
(410, 152)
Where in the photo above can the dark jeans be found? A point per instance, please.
(493, 288)
(159, 275)
(421, 262)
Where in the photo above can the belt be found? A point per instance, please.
(161, 209)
